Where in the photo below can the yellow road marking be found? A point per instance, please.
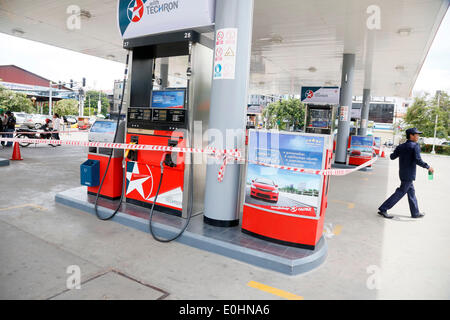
(275, 291)
(23, 206)
(350, 205)
(337, 230)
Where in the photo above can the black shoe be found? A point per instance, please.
(419, 215)
(385, 214)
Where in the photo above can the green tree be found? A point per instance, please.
(281, 114)
(15, 101)
(422, 115)
(91, 101)
(66, 107)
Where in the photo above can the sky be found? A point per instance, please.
(435, 72)
(60, 64)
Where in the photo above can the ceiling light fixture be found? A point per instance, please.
(399, 68)
(17, 32)
(404, 32)
(312, 69)
(85, 14)
(275, 38)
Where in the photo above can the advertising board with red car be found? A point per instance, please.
(361, 149)
(284, 191)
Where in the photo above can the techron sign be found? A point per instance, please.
(137, 18)
(320, 95)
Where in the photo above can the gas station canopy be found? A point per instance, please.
(295, 43)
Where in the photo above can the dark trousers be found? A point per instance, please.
(9, 135)
(406, 187)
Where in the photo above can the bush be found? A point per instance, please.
(445, 150)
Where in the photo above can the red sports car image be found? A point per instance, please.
(264, 189)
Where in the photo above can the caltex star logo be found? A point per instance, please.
(139, 178)
(135, 10)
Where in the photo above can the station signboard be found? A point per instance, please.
(320, 95)
(138, 18)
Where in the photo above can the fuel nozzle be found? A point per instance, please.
(168, 156)
(132, 154)
(168, 160)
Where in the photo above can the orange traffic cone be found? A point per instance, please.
(16, 152)
(382, 154)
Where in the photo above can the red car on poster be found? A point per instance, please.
(264, 189)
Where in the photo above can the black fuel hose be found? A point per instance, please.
(110, 156)
(191, 184)
(190, 205)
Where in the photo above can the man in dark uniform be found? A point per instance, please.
(409, 156)
(10, 126)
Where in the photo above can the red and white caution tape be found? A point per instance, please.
(124, 146)
(225, 154)
(324, 172)
(46, 132)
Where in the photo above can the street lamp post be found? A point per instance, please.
(394, 125)
(438, 92)
(50, 100)
(99, 103)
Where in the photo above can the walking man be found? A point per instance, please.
(409, 156)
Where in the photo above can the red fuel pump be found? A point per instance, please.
(161, 114)
(143, 167)
(104, 131)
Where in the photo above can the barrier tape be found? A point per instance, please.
(42, 131)
(225, 154)
(323, 172)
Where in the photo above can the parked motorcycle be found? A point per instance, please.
(22, 133)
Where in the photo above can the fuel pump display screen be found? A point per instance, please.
(167, 111)
(168, 99)
(103, 126)
(160, 115)
(139, 114)
(320, 118)
(172, 116)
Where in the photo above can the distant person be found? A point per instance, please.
(56, 126)
(409, 156)
(2, 127)
(46, 128)
(10, 126)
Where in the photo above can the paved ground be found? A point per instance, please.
(42, 243)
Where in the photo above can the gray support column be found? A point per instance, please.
(228, 112)
(345, 104)
(365, 112)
